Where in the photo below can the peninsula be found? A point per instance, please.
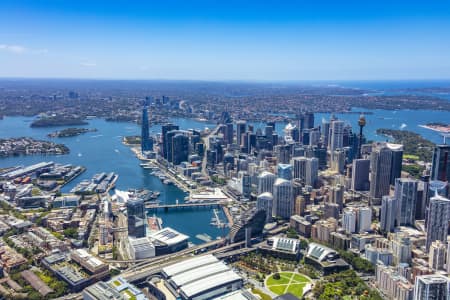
(30, 146)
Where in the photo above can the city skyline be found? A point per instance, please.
(225, 41)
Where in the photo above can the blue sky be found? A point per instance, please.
(225, 40)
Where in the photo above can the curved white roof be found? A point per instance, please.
(319, 252)
(266, 195)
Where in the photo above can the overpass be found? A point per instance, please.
(158, 258)
(141, 272)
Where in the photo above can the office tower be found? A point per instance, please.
(312, 170)
(321, 155)
(265, 202)
(283, 204)
(240, 130)
(331, 210)
(309, 120)
(169, 147)
(406, 196)
(380, 165)
(300, 205)
(228, 136)
(300, 165)
(396, 164)
(284, 171)
(388, 214)
(431, 287)
(325, 132)
(438, 216)
(360, 175)
(180, 148)
(268, 131)
(146, 141)
(136, 217)
(349, 220)
(436, 257)
(422, 198)
(338, 161)
(441, 163)
(164, 130)
(337, 196)
(283, 153)
(314, 137)
(251, 144)
(306, 169)
(336, 135)
(364, 219)
(401, 247)
(266, 180)
(246, 184)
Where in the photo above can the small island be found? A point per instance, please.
(132, 140)
(69, 132)
(58, 121)
(30, 146)
(437, 126)
(413, 143)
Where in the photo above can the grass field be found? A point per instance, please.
(293, 283)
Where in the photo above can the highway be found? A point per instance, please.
(136, 273)
(158, 258)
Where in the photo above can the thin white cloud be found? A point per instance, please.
(18, 49)
(88, 64)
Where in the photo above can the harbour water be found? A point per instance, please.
(103, 151)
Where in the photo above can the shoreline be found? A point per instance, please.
(447, 131)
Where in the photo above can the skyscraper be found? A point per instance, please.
(265, 202)
(285, 171)
(388, 214)
(283, 204)
(438, 216)
(349, 220)
(336, 135)
(441, 163)
(431, 287)
(240, 130)
(165, 143)
(136, 217)
(364, 219)
(146, 141)
(406, 196)
(266, 180)
(306, 169)
(396, 163)
(381, 165)
(360, 175)
(228, 135)
(180, 148)
(436, 257)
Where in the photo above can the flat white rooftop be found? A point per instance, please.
(199, 273)
(169, 236)
(205, 284)
(190, 264)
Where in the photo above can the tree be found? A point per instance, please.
(276, 276)
(71, 233)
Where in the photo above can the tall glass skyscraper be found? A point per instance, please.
(136, 217)
(146, 141)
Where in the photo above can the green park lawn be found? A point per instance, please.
(289, 282)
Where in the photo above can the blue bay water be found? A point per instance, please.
(103, 151)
